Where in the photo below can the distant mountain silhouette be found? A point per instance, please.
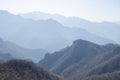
(66, 21)
(104, 29)
(44, 34)
(83, 59)
(24, 70)
(21, 53)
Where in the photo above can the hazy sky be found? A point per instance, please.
(94, 10)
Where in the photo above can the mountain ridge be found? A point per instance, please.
(81, 56)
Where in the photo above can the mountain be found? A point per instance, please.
(21, 53)
(108, 30)
(45, 34)
(82, 59)
(24, 70)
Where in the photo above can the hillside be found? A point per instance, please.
(108, 68)
(24, 70)
(82, 56)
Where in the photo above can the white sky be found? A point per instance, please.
(94, 10)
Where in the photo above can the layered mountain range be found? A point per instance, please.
(108, 30)
(44, 34)
(71, 47)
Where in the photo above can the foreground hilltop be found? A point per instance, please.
(24, 70)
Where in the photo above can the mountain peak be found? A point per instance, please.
(81, 41)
